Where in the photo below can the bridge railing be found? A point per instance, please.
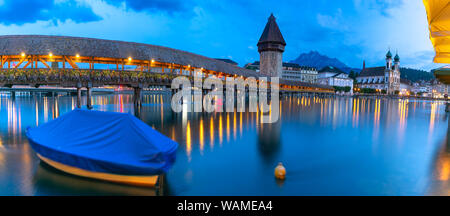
(94, 76)
(98, 77)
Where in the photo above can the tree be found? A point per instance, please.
(352, 75)
(341, 89)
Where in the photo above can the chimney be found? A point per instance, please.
(364, 64)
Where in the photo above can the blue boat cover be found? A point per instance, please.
(108, 142)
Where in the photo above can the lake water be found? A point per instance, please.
(340, 146)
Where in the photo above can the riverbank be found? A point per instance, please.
(378, 96)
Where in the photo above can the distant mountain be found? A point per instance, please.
(415, 75)
(318, 61)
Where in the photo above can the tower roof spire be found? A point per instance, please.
(396, 58)
(271, 33)
(389, 54)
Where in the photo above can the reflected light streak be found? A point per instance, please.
(211, 132)
(357, 113)
(46, 109)
(188, 141)
(240, 123)
(173, 133)
(403, 113)
(234, 125)
(220, 130)
(37, 113)
(201, 136)
(56, 108)
(162, 114)
(228, 127)
(445, 171)
(432, 117)
(376, 119)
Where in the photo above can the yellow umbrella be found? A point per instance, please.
(438, 15)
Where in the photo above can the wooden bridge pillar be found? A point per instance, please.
(137, 97)
(79, 95)
(88, 97)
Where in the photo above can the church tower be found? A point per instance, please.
(271, 47)
(392, 73)
(388, 73)
(389, 60)
(396, 73)
(397, 62)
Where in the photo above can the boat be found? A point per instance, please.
(109, 146)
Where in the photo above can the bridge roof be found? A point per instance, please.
(91, 47)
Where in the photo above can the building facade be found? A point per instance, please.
(406, 87)
(271, 47)
(334, 77)
(382, 78)
(295, 72)
(438, 89)
(291, 71)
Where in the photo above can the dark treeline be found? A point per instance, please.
(415, 75)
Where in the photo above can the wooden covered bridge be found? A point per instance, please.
(86, 63)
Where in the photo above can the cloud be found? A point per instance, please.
(405, 29)
(351, 31)
(384, 7)
(169, 6)
(334, 21)
(19, 12)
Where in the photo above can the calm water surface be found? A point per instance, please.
(339, 146)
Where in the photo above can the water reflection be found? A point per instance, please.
(440, 175)
(51, 181)
(269, 141)
(331, 146)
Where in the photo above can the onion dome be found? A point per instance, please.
(396, 58)
(389, 54)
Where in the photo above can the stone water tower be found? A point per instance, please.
(271, 47)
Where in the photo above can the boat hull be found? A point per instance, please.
(146, 181)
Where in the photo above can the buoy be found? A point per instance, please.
(280, 171)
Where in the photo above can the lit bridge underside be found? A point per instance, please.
(28, 59)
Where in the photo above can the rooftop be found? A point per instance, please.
(330, 69)
(372, 71)
(271, 33)
(118, 51)
(287, 64)
(227, 61)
